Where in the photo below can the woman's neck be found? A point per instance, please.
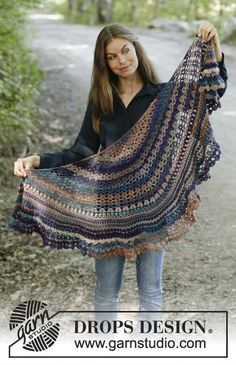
(130, 85)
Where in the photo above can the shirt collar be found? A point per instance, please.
(148, 89)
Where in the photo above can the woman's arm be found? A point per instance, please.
(207, 31)
(86, 144)
(223, 74)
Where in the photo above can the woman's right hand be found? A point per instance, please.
(26, 163)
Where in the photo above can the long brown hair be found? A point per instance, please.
(104, 81)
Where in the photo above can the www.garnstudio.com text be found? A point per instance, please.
(144, 327)
(146, 343)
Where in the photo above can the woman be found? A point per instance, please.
(123, 86)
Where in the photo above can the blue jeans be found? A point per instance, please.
(149, 279)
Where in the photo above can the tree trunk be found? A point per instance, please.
(193, 6)
(158, 7)
(135, 12)
(72, 6)
(104, 11)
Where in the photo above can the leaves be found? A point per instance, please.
(20, 77)
(141, 12)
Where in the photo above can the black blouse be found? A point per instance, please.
(88, 142)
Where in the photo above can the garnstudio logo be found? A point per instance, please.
(34, 326)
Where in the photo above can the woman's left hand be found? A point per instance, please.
(207, 31)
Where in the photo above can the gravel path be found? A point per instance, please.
(199, 270)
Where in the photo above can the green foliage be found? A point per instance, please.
(140, 13)
(231, 38)
(133, 12)
(20, 77)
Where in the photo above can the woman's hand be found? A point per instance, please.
(207, 31)
(22, 164)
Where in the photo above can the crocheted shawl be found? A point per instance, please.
(140, 192)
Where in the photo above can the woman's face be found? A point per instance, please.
(121, 57)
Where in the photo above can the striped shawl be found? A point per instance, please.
(139, 193)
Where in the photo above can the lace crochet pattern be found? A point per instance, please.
(139, 193)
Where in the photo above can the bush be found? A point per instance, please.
(20, 77)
